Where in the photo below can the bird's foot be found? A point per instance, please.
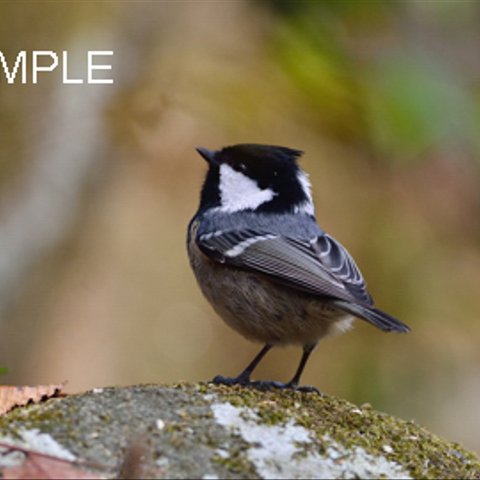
(269, 385)
(307, 389)
(230, 381)
(263, 384)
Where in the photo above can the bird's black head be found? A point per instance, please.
(262, 178)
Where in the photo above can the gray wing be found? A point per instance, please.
(319, 267)
(336, 258)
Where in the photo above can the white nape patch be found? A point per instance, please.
(288, 451)
(306, 206)
(239, 192)
(242, 246)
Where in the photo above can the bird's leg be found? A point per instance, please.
(244, 377)
(293, 383)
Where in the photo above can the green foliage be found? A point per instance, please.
(413, 105)
(357, 85)
(3, 370)
(321, 72)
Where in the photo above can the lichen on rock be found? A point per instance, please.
(207, 431)
(271, 445)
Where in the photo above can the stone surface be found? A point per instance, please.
(206, 431)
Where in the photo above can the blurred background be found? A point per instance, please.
(98, 183)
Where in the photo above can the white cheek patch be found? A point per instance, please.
(239, 192)
(306, 206)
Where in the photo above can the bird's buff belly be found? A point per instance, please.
(264, 311)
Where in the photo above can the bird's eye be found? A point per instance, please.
(242, 167)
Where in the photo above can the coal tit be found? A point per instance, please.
(269, 271)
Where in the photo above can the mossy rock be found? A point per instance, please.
(206, 431)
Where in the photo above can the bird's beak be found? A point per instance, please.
(208, 155)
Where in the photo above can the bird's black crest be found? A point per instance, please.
(255, 151)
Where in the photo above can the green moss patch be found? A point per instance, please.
(181, 437)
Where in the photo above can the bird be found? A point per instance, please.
(265, 265)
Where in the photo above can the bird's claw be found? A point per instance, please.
(230, 381)
(268, 385)
(263, 384)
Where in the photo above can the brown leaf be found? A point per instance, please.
(11, 397)
(38, 466)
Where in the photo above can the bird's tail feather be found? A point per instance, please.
(376, 317)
